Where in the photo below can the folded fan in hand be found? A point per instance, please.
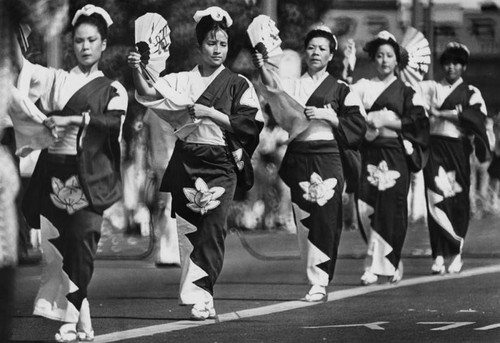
(264, 36)
(152, 38)
(415, 56)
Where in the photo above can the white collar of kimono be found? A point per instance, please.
(373, 90)
(75, 80)
(444, 82)
(387, 81)
(304, 88)
(77, 71)
(443, 89)
(306, 75)
(205, 80)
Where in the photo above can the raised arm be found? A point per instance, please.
(141, 85)
(258, 62)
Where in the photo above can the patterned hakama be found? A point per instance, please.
(202, 181)
(447, 173)
(313, 171)
(382, 203)
(70, 234)
(387, 161)
(447, 178)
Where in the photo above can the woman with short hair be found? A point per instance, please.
(394, 146)
(312, 166)
(221, 121)
(457, 112)
(77, 177)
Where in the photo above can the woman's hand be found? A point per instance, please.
(316, 113)
(59, 121)
(57, 126)
(327, 114)
(198, 111)
(379, 119)
(134, 60)
(258, 60)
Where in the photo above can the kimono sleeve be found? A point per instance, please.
(473, 120)
(352, 124)
(415, 130)
(246, 115)
(246, 123)
(113, 114)
(39, 83)
(173, 90)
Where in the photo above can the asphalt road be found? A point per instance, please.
(259, 291)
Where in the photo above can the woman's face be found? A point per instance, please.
(453, 71)
(385, 60)
(318, 54)
(214, 48)
(88, 45)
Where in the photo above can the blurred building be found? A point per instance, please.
(441, 22)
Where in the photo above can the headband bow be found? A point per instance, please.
(87, 10)
(217, 14)
(386, 35)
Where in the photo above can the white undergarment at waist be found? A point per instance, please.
(207, 133)
(317, 130)
(385, 132)
(445, 128)
(67, 145)
(317, 136)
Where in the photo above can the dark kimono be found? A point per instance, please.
(313, 169)
(447, 174)
(203, 173)
(68, 193)
(387, 162)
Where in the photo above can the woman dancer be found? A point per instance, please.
(457, 110)
(394, 145)
(211, 155)
(312, 165)
(78, 177)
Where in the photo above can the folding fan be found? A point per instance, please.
(24, 32)
(264, 36)
(152, 39)
(415, 56)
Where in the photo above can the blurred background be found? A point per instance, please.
(266, 207)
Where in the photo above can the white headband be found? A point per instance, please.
(87, 10)
(386, 35)
(456, 45)
(323, 28)
(216, 13)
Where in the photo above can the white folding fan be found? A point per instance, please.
(152, 39)
(264, 36)
(415, 56)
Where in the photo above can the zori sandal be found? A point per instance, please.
(316, 294)
(67, 333)
(85, 336)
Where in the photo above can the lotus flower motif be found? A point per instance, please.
(447, 183)
(68, 195)
(201, 198)
(381, 177)
(318, 191)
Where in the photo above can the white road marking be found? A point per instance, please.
(371, 326)
(489, 327)
(447, 325)
(288, 305)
